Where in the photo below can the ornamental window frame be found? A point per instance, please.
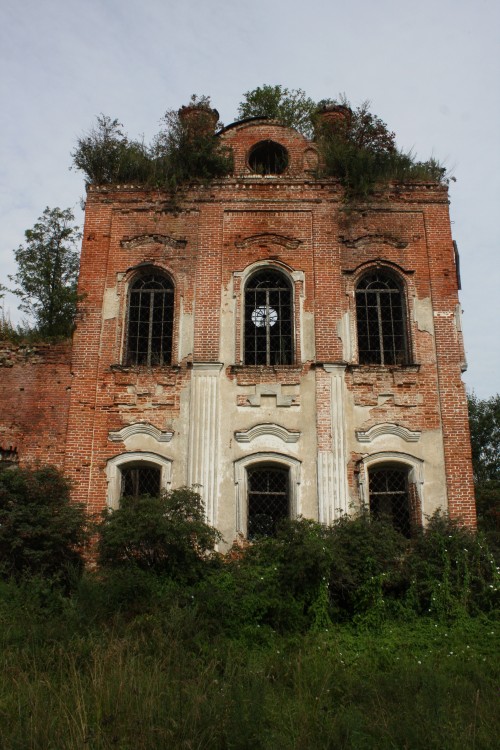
(134, 459)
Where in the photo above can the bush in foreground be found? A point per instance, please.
(166, 535)
(41, 532)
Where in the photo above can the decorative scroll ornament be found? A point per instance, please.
(374, 239)
(268, 239)
(141, 428)
(153, 239)
(378, 430)
(259, 430)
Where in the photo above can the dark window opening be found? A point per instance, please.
(140, 480)
(268, 157)
(268, 500)
(390, 497)
(268, 338)
(381, 323)
(150, 321)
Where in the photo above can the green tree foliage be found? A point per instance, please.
(47, 274)
(106, 155)
(363, 153)
(165, 535)
(41, 532)
(484, 421)
(364, 130)
(291, 107)
(184, 149)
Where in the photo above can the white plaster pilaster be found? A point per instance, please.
(333, 488)
(204, 434)
(326, 486)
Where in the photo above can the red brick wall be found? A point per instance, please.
(214, 232)
(35, 385)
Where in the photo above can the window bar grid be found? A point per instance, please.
(380, 321)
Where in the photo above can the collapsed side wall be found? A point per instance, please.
(35, 385)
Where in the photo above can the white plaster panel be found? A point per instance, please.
(204, 434)
(110, 304)
(422, 312)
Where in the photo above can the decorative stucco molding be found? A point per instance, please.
(264, 389)
(268, 238)
(366, 436)
(141, 428)
(258, 430)
(373, 239)
(153, 239)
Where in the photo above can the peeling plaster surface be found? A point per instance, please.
(424, 315)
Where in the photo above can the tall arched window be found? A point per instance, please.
(381, 320)
(268, 499)
(390, 497)
(150, 320)
(268, 336)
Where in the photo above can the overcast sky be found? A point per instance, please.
(431, 70)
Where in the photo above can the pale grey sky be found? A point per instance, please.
(431, 70)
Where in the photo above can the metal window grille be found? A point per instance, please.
(150, 321)
(268, 320)
(380, 315)
(140, 480)
(268, 500)
(389, 497)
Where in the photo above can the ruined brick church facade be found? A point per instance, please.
(285, 353)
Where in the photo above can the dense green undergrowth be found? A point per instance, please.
(348, 636)
(158, 678)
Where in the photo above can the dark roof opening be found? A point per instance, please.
(268, 157)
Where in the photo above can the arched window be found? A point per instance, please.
(268, 319)
(137, 473)
(150, 320)
(268, 499)
(389, 494)
(381, 320)
(268, 157)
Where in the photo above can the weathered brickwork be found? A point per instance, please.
(211, 416)
(35, 385)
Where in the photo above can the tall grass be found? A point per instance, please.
(149, 683)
